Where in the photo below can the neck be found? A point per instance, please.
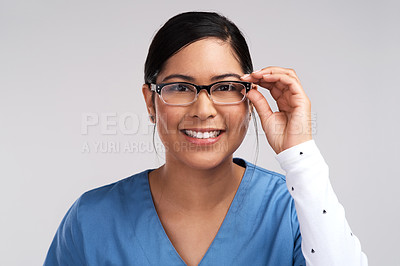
(191, 190)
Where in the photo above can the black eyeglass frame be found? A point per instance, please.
(158, 87)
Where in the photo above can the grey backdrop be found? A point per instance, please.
(71, 75)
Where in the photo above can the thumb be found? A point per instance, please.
(260, 103)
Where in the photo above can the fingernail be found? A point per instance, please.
(245, 76)
(266, 75)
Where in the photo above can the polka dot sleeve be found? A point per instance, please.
(326, 236)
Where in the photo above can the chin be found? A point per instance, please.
(205, 161)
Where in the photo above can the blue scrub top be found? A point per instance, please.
(118, 224)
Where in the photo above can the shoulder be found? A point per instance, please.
(266, 197)
(119, 186)
(264, 188)
(112, 197)
(98, 221)
(262, 176)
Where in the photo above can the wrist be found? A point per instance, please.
(294, 143)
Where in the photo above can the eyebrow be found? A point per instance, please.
(227, 75)
(192, 79)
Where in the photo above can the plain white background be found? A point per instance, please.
(64, 61)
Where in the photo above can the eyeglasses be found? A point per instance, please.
(184, 93)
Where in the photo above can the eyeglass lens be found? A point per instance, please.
(226, 92)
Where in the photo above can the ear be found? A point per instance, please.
(149, 99)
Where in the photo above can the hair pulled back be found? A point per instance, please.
(186, 28)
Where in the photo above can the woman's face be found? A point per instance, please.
(203, 62)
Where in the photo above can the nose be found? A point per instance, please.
(203, 107)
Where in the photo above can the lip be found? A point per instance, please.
(203, 129)
(208, 141)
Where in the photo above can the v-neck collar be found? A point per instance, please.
(159, 229)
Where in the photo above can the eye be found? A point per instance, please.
(223, 87)
(227, 87)
(178, 88)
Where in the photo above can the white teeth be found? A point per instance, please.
(203, 135)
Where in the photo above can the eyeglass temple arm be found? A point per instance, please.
(154, 87)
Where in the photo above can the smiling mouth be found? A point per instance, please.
(202, 135)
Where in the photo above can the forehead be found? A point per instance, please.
(203, 60)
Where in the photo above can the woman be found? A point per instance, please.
(203, 207)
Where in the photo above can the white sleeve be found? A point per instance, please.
(326, 236)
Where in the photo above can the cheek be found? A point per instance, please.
(238, 124)
(165, 124)
(238, 119)
(168, 119)
(243, 125)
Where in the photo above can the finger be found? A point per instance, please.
(275, 70)
(250, 78)
(257, 75)
(269, 85)
(283, 81)
(261, 82)
(261, 104)
(266, 85)
(276, 93)
(282, 99)
(282, 84)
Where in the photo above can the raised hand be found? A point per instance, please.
(291, 125)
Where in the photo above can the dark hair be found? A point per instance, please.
(186, 28)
